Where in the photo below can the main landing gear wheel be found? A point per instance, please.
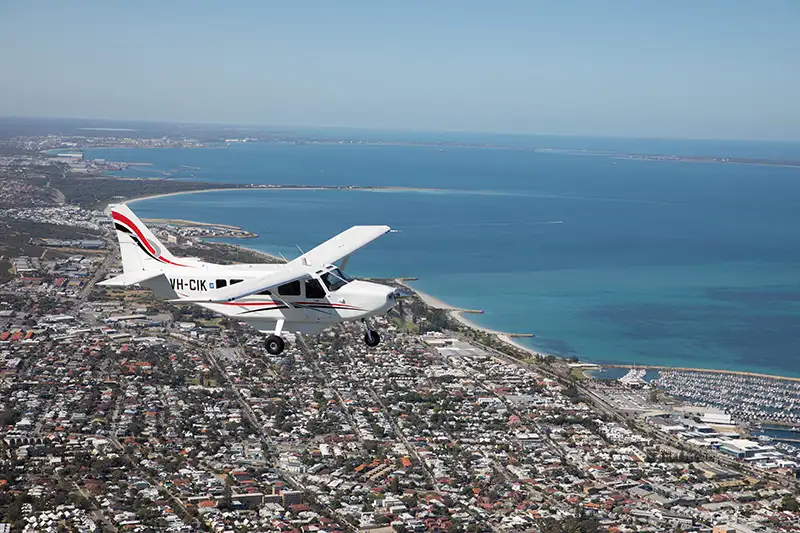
(275, 344)
(371, 338)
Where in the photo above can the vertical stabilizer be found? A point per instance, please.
(140, 249)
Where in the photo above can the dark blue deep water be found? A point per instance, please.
(613, 260)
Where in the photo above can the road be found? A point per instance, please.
(100, 273)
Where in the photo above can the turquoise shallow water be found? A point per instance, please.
(611, 260)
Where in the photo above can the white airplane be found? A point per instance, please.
(305, 295)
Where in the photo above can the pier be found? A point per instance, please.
(766, 425)
(457, 312)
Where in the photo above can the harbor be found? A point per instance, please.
(766, 407)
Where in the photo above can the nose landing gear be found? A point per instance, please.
(371, 337)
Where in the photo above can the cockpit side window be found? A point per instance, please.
(314, 289)
(335, 279)
(290, 289)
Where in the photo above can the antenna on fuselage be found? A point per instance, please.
(302, 253)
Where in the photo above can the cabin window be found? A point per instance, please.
(264, 293)
(235, 281)
(221, 283)
(314, 289)
(290, 289)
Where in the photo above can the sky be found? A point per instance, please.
(638, 68)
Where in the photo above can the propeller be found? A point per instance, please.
(402, 294)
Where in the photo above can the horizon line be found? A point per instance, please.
(404, 130)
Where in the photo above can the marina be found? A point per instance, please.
(752, 399)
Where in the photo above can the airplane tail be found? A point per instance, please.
(140, 249)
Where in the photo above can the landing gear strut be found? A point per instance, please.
(371, 337)
(275, 344)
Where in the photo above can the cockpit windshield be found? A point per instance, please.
(335, 279)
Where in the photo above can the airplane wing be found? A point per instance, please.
(285, 274)
(326, 253)
(341, 246)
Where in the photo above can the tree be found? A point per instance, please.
(654, 395)
(227, 493)
(789, 503)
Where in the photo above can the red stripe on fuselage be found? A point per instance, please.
(334, 305)
(338, 306)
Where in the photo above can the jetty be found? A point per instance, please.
(785, 439)
(456, 312)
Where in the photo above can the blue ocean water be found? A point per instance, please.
(612, 260)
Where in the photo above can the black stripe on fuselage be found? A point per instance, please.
(264, 309)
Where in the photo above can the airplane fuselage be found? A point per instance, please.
(305, 306)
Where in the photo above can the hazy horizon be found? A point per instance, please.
(687, 70)
(294, 128)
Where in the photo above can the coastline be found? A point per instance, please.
(275, 258)
(166, 194)
(442, 145)
(457, 314)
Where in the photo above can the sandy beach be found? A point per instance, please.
(430, 301)
(275, 258)
(164, 195)
(458, 314)
(281, 188)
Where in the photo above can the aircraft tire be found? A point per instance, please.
(274, 344)
(371, 338)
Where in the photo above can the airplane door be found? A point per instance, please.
(317, 307)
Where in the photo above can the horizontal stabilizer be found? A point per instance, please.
(130, 278)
